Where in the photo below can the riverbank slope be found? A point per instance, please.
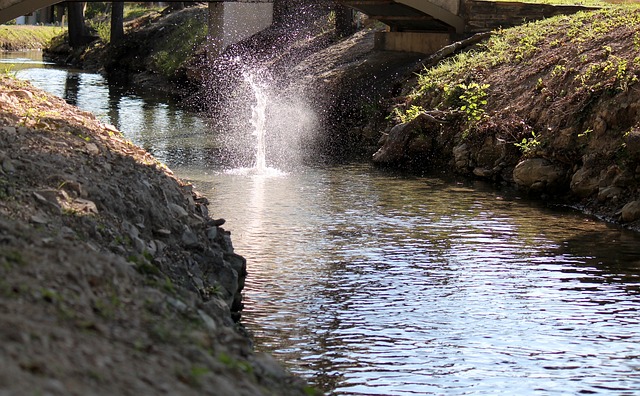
(114, 278)
(16, 38)
(552, 107)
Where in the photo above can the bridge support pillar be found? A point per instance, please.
(422, 42)
(231, 22)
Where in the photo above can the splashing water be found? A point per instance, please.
(265, 127)
(258, 121)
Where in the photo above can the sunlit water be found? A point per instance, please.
(366, 282)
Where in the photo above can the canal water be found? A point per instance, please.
(372, 283)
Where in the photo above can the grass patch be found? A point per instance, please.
(14, 38)
(521, 44)
(178, 46)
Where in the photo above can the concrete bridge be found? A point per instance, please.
(414, 25)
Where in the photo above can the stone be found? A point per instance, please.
(162, 232)
(177, 210)
(47, 197)
(607, 193)
(212, 233)
(583, 183)
(630, 212)
(84, 205)
(538, 174)
(393, 149)
(491, 153)
(632, 143)
(39, 218)
(138, 244)
(483, 172)
(8, 166)
(92, 149)
(209, 323)
(217, 222)
(189, 239)
(461, 156)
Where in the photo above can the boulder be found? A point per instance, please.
(584, 183)
(631, 212)
(539, 175)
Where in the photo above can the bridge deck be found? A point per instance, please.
(399, 16)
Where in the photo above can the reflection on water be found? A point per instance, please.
(173, 135)
(370, 283)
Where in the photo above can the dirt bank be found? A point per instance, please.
(114, 278)
(552, 107)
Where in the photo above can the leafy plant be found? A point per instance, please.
(408, 115)
(528, 145)
(474, 98)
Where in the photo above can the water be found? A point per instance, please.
(258, 121)
(367, 282)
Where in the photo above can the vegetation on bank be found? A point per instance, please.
(554, 54)
(98, 16)
(15, 38)
(551, 106)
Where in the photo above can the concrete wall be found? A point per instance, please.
(426, 43)
(482, 16)
(231, 22)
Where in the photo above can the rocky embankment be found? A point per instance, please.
(552, 107)
(114, 278)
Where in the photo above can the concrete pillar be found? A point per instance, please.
(423, 42)
(215, 34)
(231, 22)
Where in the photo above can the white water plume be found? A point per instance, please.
(274, 136)
(258, 121)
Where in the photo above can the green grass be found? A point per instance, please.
(587, 3)
(175, 48)
(521, 44)
(13, 38)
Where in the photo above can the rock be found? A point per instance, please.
(162, 232)
(8, 166)
(583, 183)
(483, 172)
(538, 174)
(92, 149)
(217, 222)
(607, 193)
(632, 143)
(189, 239)
(461, 156)
(138, 244)
(209, 323)
(47, 197)
(490, 154)
(84, 205)
(631, 212)
(212, 233)
(39, 218)
(394, 146)
(177, 210)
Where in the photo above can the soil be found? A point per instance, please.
(114, 279)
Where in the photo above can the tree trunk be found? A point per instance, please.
(117, 22)
(345, 25)
(78, 33)
(282, 12)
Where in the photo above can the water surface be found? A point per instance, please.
(369, 282)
